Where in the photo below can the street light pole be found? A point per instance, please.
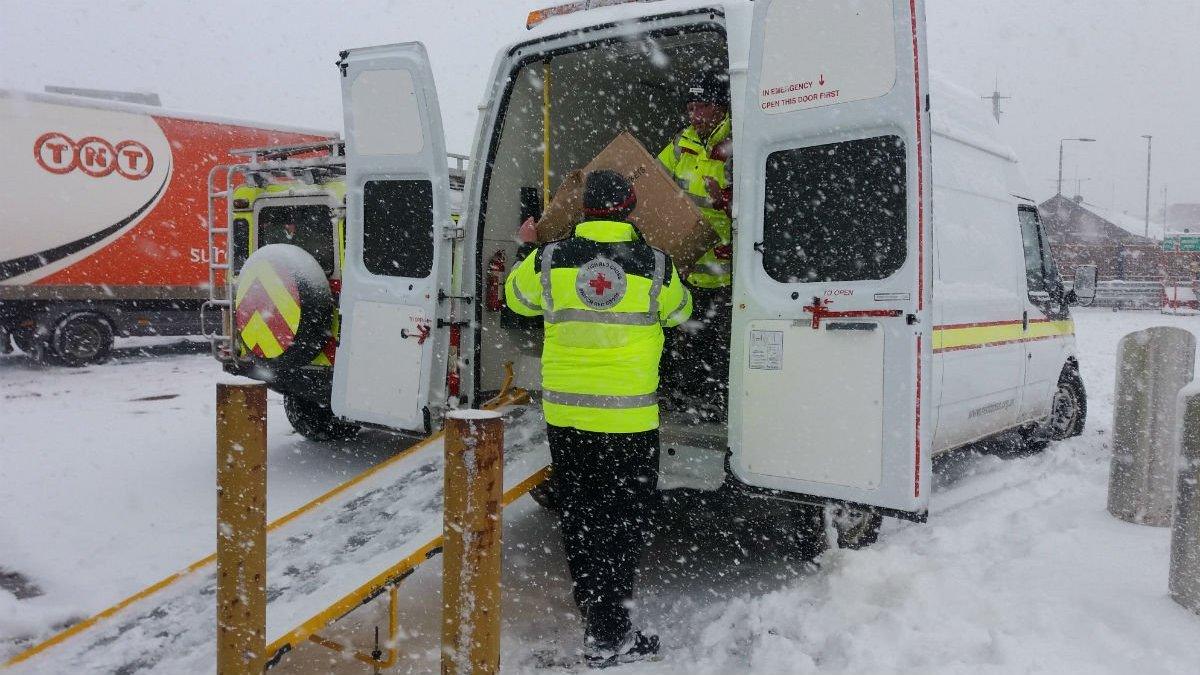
(1060, 156)
(1149, 140)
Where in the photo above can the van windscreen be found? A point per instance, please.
(836, 212)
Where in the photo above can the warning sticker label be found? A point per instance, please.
(766, 350)
(806, 93)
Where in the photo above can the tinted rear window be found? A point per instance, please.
(310, 227)
(836, 212)
(398, 228)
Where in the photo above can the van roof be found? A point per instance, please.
(103, 104)
(615, 13)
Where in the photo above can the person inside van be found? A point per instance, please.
(700, 159)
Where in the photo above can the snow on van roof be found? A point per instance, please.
(103, 104)
(960, 114)
(614, 13)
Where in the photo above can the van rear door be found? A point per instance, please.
(831, 339)
(391, 363)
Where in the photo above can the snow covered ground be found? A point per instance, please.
(106, 475)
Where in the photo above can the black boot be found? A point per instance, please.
(636, 646)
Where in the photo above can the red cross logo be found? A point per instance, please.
(600, 284)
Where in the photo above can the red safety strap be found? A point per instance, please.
(819, 311)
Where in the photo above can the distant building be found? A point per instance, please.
(1085, 234)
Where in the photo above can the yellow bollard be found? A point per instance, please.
(241, 528)
(472, 555)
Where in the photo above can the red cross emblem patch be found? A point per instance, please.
(600, 283)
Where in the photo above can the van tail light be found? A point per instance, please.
(495, 282)
(453, 381)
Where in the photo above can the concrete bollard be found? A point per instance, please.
(1184, 581)
(1152, 366)
(472, 554)
(241, 528)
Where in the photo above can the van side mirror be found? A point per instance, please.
(1084, 291)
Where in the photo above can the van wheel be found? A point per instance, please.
(81, 339)
(856, 528)
(316, 422)
(1068, 412)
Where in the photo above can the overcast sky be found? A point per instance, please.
(1108, 69)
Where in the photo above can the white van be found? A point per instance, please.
(893, 293)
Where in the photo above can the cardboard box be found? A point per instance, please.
(665, 214)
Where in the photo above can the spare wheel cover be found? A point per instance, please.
(283, 306)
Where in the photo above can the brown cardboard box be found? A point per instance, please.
(665, 214)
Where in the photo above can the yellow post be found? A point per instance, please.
(471, 558)
(241, 528)
(545, 135)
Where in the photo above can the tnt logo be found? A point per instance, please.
(60, 154)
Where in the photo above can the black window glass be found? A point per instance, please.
(309, 226)
(398, 227)
(241, 242)
(1035, 271)
(836, 212)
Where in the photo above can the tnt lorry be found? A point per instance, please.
(893, 293)
(102, 219)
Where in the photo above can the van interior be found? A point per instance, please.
(588, 94)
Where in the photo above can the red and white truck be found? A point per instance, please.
(103, 209)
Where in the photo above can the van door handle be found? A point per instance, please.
(1025, 320)
(858, 325)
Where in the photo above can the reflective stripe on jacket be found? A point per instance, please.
(605, 296)
(686, 157)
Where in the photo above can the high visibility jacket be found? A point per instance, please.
(605, 296)
(687, 158)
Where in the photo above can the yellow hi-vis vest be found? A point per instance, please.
(605, 296)
(687, 159)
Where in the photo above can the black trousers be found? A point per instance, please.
(696, 366)
(605, 486)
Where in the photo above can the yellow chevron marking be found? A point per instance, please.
(265, 274)
(257, 334)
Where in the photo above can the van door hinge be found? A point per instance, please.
(341, 62)
(449, 323)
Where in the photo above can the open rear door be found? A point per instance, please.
(390, 363)
(830, 364)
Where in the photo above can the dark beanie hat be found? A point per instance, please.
(709, 86)
(608, 194)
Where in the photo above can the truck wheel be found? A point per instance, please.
(81, 339)
(1068, 412)
(316, 422)
(856, 528)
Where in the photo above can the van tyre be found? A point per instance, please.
(316, 422)
(81, 339)
(855, 528)
(1068, 413)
